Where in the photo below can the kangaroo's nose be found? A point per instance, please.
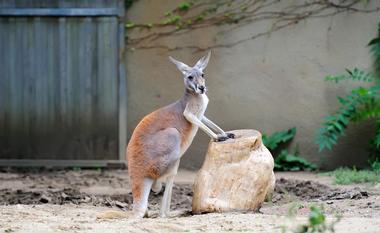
(202, 88)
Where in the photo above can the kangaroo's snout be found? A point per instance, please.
(202, 89)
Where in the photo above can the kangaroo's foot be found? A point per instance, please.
(166, 199)
(140, 191)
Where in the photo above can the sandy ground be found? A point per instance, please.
(68, 201)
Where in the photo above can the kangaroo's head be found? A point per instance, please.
(194, 76)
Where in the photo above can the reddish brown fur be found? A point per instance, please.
(142, 160)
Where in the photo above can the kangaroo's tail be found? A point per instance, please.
(113, 214)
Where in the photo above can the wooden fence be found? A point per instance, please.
(62, 82)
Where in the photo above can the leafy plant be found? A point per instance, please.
(351, 176)
(316, 221)
(274, 140)
(184, 6)
(360, 104)
(171, 19)
(286, 160)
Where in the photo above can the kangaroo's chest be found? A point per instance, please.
(198, 108)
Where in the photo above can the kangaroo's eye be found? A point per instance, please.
(203, 75)
(190, 77)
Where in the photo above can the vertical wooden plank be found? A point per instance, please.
(9, 57)
(122, 127)
(48, 149)
(86, 48)
(29, 73)
(16, 89)
(107, 79)
(73, 135)
(4, 77)
(63, 75)
(71, 79)
(62, 42)
(40, 98)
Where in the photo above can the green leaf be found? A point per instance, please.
(287, 161)
(362, 103)
(316, 216)
(184, 6)
(354, 75)
(274, 140)
(130, 25)
(374, 41)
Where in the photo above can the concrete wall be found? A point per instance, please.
(270, 83)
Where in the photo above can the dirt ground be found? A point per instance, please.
(68, 201)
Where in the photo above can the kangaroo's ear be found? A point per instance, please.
(202, 63)
(180, 65)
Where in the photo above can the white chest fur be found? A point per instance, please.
(201, 106)
(197, 106)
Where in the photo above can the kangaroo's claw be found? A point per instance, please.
(222, 138)
(230, 135)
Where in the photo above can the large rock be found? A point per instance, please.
(237, 175)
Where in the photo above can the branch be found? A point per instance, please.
(234, 15)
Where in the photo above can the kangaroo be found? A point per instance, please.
(163, 136)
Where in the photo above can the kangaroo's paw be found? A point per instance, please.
(230, 135)
(221, 138)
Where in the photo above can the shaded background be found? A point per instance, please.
(270, 83)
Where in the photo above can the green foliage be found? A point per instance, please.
(199, 18)
(286, 160)
(128, 3)
(316, 216)
(274, 140)
(316, 222)
(361, 103)
(172, 19)
(184, 6)
(353, 176)
(375, 165)
(130, 25)
(375, 49)
(355, 74)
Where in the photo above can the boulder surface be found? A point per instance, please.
(237, 175)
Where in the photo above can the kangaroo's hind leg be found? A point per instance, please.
(168, 145)
(166, 199)
(140, 191)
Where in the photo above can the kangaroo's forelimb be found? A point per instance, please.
(213, 126)
(195, 120)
